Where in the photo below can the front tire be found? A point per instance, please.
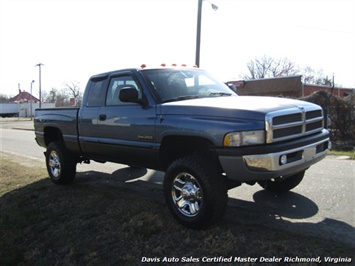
(280, 185)
(61, 165)
(195, 191)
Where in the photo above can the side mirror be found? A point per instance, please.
(232, 87)
(130, 95)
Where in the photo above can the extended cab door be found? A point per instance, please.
(125, 131)
(94, 98)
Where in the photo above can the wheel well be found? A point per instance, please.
(52, 134)
(174, 147)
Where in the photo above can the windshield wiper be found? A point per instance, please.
(185, 97)
(219, 94)
(188, 97)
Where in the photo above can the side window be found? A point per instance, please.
(116, 84)
(96, 94)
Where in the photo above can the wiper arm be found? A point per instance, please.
(220, 94)
(187, 97)
(181, 98)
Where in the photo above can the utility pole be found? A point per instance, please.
(40, 90)
(31, 100)
(198, 33)
(198, 30)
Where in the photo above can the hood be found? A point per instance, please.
(242, 107)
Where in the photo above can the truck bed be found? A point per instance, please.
(64, 120)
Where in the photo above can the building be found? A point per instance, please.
(24, 97)
(22, 105)
(291, 86)
(336, 91)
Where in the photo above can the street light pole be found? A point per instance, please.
(198, 31)
(40, 91)
(31, 99)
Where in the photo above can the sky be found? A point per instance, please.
(75, 39)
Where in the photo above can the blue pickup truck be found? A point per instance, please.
(185, 122)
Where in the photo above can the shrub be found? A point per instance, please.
(340, 114)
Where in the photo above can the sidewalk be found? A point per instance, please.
(17, 123)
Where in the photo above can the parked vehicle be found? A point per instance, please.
(9, 109)
(185, 122)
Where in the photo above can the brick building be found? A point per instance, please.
(291, 87)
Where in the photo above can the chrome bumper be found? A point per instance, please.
(266, 166)
(272, 161)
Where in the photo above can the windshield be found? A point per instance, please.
(181, 84)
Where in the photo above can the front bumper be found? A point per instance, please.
(257, 167)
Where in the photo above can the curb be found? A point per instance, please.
(21, 128)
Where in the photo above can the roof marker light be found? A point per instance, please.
(172, 65)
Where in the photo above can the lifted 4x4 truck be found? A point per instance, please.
(185, 122)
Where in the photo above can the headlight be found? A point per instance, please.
(244, 138)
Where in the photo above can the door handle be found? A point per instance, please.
(102, 117)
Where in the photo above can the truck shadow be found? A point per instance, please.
(289, 211)
(94, 194)
(290, 204)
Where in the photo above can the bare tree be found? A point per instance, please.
(4, 98)
(317, 77)
(268, 67)
(74, 88)
(59, 97)
(52, 96)
(283, 67)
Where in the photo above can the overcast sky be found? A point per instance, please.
(75, 39)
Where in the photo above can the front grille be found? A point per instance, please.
(293, 123)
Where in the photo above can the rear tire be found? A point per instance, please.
(280, 185)
(61, 165)
(195, 191)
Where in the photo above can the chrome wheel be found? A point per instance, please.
(187, 194)
(195, 191)
(54, 164)
(61, 164)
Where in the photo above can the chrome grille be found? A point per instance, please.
(293, 123)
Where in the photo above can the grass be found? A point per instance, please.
(343, 148)
(351, 154)
(101, 220)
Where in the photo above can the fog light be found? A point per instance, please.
(283, 159)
